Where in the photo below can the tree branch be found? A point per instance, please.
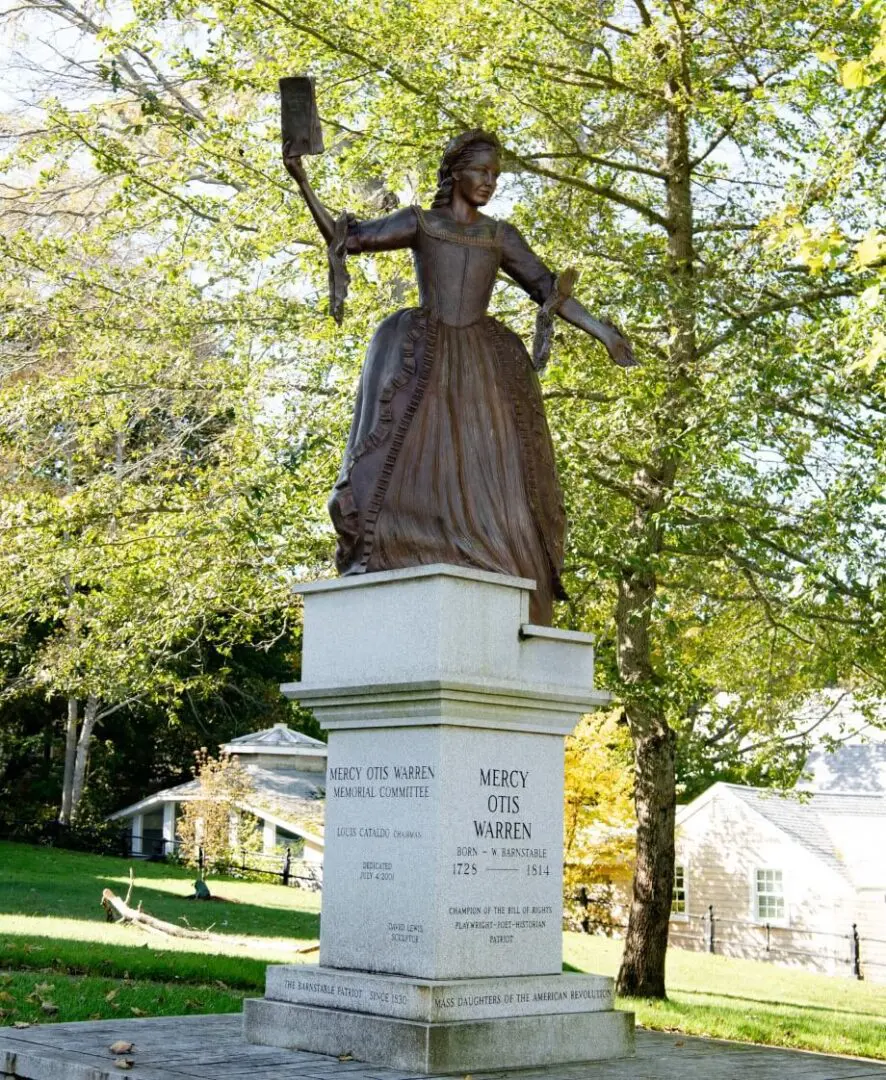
(578, 395)
(381, 66)
(105, 713)
(605, 191)
(607, 163)
(786, 303)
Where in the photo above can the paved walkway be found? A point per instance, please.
(211, 1048)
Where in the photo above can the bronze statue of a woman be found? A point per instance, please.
(449, 459)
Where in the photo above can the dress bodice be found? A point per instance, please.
(456, 266)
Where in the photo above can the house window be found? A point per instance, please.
(770, 896)
(678, 896)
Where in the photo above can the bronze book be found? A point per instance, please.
(299, 120)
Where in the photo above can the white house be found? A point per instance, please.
(799, 878)
(288, 773)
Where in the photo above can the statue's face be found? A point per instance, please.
(477, 180)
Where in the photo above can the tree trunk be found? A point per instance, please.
(642, 972)
(71, 725)
(81, 761)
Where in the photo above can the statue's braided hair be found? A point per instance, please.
(456, 156)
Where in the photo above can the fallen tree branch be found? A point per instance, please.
(127, 914)
(130, 916)
(131, 883)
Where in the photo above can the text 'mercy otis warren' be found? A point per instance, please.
(381, 781)
(405, 782)
(508, 826)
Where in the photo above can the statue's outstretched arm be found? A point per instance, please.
(607, 333)
(521, 263)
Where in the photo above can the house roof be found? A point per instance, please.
(275, 740)
(845, 803)
(804, 817)
(800, 819)
(854, 768)
(292, 798)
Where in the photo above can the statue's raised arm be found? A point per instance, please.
(345, 235)
(295, 167)
(386, 233)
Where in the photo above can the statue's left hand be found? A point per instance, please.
(619, 348)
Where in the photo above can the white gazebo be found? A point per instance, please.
(288, 773)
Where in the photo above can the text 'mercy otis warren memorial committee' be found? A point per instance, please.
(432, 663)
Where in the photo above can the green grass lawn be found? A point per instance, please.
(750, 1001)
(57, 950)
(52, 922)
(33, 997)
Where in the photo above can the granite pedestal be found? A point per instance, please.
(440, 945)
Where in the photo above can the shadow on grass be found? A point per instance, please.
(234, 918)
(78, 998)
(36, 953)
(783, 1004)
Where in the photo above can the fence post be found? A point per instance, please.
(855, 952)
(287, 863)
(710, 928)
(768, 936)
(200, 859)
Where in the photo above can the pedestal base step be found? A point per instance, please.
(512, 1042)
(435, 1001)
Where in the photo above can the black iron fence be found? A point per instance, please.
(855, 950)
(299, 873)
(108, 838)
(291, 870)
(850, 952)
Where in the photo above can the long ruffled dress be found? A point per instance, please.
(449, 458)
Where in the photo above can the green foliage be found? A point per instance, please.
(211, 825)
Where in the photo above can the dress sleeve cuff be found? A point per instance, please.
(343, 235)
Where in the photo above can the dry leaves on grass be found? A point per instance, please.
(121, 1047)
(124, 1063)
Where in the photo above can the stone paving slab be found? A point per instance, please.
(212, 1048)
